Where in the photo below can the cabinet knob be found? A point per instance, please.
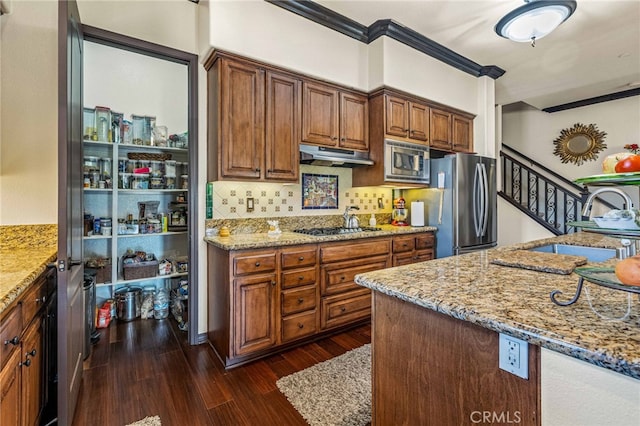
(300, 325)
(32, 353)
(273, 283)
(258, 170)
(13, 341)
(300, 300)
(300, 278)
(301, 258)
(257, 264)
(26, 363)
(343, 139)
(41, 299)
(404, 244)
(333, 138)
(342, 278)
(343, 309)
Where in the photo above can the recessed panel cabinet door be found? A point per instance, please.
(440, 129)
(242, 109)
(10, 399)
(283, 129)
(397, 117)
(462, 129)
(320, 115)
(354, 121)
(419, 122)
(32, 373)
(254, 313)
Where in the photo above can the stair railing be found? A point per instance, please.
(542, 194)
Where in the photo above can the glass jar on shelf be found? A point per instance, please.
(116, 126)
(103, 123)
(88, 123)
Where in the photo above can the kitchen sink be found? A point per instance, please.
(593, 254)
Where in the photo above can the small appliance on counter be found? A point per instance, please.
(399, 214)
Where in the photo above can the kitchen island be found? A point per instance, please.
(435, 334)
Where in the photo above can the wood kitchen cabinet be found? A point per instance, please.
(254, 121)
(406, 120)
(299, 292)
(334, 117)
(342, 300)
(22, 355)
(413, 248)
(451, 131)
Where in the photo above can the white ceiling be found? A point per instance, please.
(595, 52)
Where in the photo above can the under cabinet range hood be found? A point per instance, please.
(333, 157)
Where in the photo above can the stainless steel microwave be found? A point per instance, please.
(406, 162)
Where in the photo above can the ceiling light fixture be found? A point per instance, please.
(534, 20)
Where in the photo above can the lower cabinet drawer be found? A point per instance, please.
(298, 277)
(298, 300)
(344, 308)
(10, 331)
(299, 325)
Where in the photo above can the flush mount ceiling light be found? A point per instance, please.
(534, 20)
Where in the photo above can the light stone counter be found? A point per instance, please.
(516, 301)
(25, 251)
(263, 240)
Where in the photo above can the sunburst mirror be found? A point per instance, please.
(579, 144)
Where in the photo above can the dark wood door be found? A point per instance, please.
(320, 114)
(255, 313)
(242, 105)
(283, 127)
(32, 373)
(440, 129)
(70, 210)
(354, 121)
(419, 123)
(397, 117)
(462, 133)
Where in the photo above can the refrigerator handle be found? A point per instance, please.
(485, 197)
(477, 201)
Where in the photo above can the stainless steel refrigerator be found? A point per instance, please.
(461, 203)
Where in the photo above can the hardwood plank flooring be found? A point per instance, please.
(146, 368)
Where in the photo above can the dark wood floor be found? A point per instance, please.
(146, 367)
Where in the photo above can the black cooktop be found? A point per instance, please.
(319, 232)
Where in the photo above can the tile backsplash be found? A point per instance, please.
(285, 200)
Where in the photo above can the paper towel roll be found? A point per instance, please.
(417, 213)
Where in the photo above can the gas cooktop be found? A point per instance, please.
(319, 232)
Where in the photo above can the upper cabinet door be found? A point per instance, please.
(419, 122)
(397, 116)
(440, 129)
(354, 121)
(242, 120)
(283, 128)
(462, 129)
(320, 114)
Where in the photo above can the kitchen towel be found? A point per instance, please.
(417, 213)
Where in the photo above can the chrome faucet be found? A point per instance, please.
(586, 211)
(351, 221)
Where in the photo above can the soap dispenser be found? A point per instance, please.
(372, 220)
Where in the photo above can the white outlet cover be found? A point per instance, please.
(521, 369)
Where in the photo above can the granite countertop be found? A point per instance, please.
(516, 301)
(287, 238)
(25, 251)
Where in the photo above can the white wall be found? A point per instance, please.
(574, 392)
(29, 114)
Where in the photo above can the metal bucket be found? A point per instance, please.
(128, 303)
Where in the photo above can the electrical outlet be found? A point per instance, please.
(514, 356)
(249, 204)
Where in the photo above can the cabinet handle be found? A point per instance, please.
(13, 341)
(257, 264)
(300, 300)
(41, 299)
(300, 325)
(343, 309)
(333, 138)
(26, 363)
(343, 139)
(32, 353)
(300, 278)
(404, 244)
(342, 278)
(258, 170)
(273, 283)
(301, 258)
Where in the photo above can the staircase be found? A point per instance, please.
(540, 193)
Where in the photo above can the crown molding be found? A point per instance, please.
(386, 27)
(592, 101)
